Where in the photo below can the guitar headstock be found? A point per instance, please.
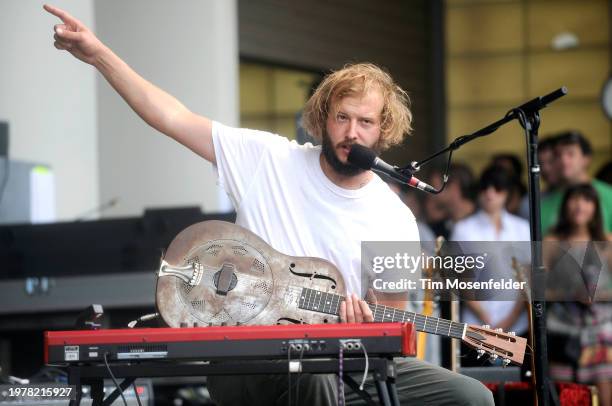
(498, 344)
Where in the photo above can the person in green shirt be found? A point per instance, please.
(574, 152)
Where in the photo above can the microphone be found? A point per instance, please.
(98, 209)
(364, 158)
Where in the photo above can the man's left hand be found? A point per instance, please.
(355, 310)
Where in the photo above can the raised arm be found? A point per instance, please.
(157, 108)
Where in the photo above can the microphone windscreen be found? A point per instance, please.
(362, 157)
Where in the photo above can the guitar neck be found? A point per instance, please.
(329, 303)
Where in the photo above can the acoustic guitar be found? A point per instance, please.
(218, 273)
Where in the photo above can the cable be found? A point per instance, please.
(297, 381)
(367, 366)
(341, 399)
(146, 317)
(47, 374)
(136, 393)
(289, 373)
(114, 379)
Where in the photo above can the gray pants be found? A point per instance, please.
(418, 383)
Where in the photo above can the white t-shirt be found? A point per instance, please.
(281, 194)
(479, 227)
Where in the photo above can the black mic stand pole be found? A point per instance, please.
(529, 118)
(528, 115)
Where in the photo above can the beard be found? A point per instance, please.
(329, 154)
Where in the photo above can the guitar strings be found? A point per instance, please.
(314, 300)
(379, 311)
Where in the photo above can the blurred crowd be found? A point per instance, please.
(575, 207)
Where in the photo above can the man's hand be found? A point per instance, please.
(74, 37)
(157, 108)
(355, 310)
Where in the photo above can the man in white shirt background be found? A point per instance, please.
(493, 223)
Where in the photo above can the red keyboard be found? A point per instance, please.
(236, 342)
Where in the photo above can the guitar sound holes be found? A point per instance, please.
(263, 286)
(193, 260)
(220, 317)
(213, 250)
(197, 305)
(239, 250)
(325, 321)
(257, 265)
(248, 305)
(292, 265)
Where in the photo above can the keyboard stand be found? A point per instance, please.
(382, 370)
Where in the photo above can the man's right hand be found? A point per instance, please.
(157, 108)
(73, 36)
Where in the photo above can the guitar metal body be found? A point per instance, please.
(218, 273)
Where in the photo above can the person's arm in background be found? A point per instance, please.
(509, 321)
(157, 108)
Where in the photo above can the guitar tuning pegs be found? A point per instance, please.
(499, 330)
(505, 362)
(493, 358)
(486, 326)
(480, 353)
(512, 333)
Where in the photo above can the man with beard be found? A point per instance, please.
(302, 200)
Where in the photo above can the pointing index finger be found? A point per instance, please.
(61, 14)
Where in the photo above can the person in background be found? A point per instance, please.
(604, 173)
(434, 211)
(549, 172)
(574, 152)
(457, 199)
(514, 167)
(581, 332)
(492, 222)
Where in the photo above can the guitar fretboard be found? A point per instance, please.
(329, 303)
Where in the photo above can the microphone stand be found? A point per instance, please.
(528, 115)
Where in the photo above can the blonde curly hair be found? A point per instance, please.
(356, 80)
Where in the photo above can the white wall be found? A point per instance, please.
(62, 112)
(188, 48)
(49, 100)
